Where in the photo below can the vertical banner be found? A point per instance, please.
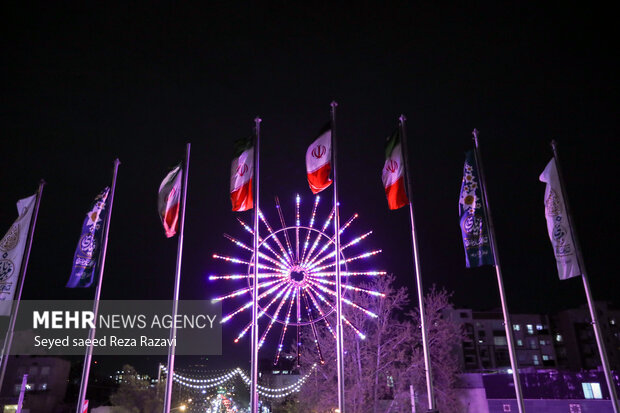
(87, 251)
(560, 232)
(168, 201)
(473, 223)
(241, 172)
(318, 158)
(393, 174)
(12, 248)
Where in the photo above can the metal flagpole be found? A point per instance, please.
(177, 284)
(254, 358)
(22, 392)
(339, 338)
(91, 334)
(6, 349)
(500, 282)
(418, 274)
(586, 285)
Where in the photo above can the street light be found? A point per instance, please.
(181, 408)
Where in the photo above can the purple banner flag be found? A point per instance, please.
(88, 248)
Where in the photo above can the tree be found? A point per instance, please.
(136, 394)
(380, 367)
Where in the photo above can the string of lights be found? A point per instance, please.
(201, 384)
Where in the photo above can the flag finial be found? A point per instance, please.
(334, 104)
(402, 118)
(554, 144)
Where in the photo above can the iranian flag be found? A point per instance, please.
(241, 171)
(318, 164)
(168, 200)
(393, 173)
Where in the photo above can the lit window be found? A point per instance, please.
(543, 342)
(535, 360)
(506, 408)
(558, 338)
(499, 341)
(516, 327)
(592, 390)
(43, 386)
(612, 321)
(530, 329)
(29, 387)
(545, 357)
(539, 327)
(519, 342)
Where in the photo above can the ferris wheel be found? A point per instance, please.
(297, 276)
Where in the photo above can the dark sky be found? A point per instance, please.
(85, 84)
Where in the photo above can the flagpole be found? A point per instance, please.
(339, 337)
(418, 273)
(177, 284)
(91, 334)
(500, 282)
(586, 285)
(254, 358)
(6, 349)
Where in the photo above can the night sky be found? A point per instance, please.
(83, 85)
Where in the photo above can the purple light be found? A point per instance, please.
(297, 275)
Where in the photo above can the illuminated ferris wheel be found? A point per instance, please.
(296, 277)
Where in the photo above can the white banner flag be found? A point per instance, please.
(560, 232)
(12, 253)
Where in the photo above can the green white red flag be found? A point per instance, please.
(169, 199)
(318, 166)
(241, 173)
(393, 174)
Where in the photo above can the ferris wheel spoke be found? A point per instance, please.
(245, 290)
(311, 225)
(318, 236)
(246, 276)
(286, 238)
(298, 334)
(352, 288)
(297, 224)
(313, 327)
(284, 327)
(346, 261)
(248, 263)
(260, 314)
(344, 299)
(264, 243)
(357, 331)
(249, 304)
(288, 290)
(312, 292)
(288, 257)
(311, 261)
(281, 265)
